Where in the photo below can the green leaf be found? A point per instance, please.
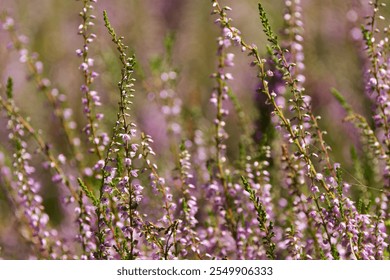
(88, 193)
(340, 98)
(169, 42)
(9, 88)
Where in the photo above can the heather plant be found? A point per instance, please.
(239, 180)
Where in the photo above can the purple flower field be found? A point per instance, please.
(210, 130)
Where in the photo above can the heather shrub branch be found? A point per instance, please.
(91, 99)
(362, 124)
(266, 227)
(285, 122)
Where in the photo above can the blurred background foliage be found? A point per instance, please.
(334, 58)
